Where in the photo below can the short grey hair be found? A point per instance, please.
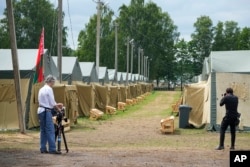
(50, 78)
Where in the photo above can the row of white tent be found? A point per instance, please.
(72, 69)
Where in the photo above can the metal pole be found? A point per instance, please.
(127, 60)
(142, 53)
(181, 75)
(59, 40)
(98, 36)
(146, 65)
(139, 50)
(145, 59)
(15, 64)
(148, 68)
(132, 51)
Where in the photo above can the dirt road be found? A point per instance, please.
(132, 139)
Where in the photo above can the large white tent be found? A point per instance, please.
(221, 69)
(27, 62)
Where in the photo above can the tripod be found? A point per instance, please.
(59, 132)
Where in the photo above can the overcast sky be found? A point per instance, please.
(183, 12)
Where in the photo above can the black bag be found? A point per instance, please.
(237, 121)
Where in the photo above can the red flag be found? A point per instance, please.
(39, 60)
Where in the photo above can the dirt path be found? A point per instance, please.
(133, 140)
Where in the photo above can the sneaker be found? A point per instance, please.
(220, 148)
(44, 152)
(231, 148)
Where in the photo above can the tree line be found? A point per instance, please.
(152, 29)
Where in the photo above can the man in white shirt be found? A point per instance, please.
(47, 104)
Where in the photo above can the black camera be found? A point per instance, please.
(60, 115)
(224, 94)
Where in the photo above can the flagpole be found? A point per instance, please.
(15, 64)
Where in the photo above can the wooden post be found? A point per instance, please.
(15, 65)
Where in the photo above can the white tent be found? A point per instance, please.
(112, 75)
(89, 74)
(103, 75)
(221, 70)
(27, 62)
(120, 78)
(71, 70)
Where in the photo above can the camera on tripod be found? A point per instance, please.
(59, 129)
(60, 115)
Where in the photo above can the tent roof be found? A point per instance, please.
(136, 76)
(124, 75)
(102, 72)
(26, 58)
(230, 61)
(119, 76)
(86, 68)
(68, 63)
(111, 73)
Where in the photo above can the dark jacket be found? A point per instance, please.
(231, 105)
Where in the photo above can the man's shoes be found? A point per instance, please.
(220, 148)
(55, 152)
(232, 148)
(44, 152)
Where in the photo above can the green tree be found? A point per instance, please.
(219, 39)
(86, 50)
(201, 42)
(30, 16)
(231, 33)
(244, 39)
(151, 29)
(184, 61)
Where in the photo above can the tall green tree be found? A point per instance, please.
(219, 38)
(201, 42)
(184, 61)
(30, 16)
(231, 33)
(86, 50)
(152, 30)
(244, 39)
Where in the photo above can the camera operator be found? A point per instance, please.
(231, 104)
(46, 107)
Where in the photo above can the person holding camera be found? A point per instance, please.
(231, 104)
(47, 104)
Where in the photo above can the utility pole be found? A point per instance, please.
(116, 50)
(15, 64)
(139, 50)
(99, 6)
(148, 67)
(142, 55)
(59, 40)
(145, 67)
(132, 51)
(127, 60)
